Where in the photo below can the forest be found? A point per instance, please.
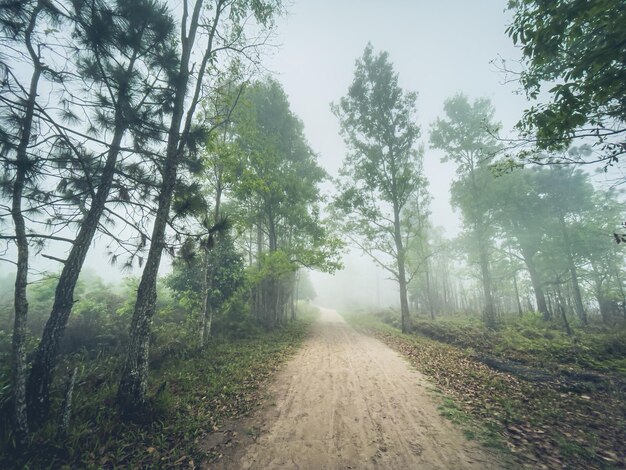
(150, 136)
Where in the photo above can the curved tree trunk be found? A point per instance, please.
(18, 359)
(133, 385)
(134, 382)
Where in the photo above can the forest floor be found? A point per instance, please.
(346, 400)
(521, 396)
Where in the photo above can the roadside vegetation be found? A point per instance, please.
(550, 400)
(191, 391)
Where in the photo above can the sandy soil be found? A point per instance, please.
(347, 401)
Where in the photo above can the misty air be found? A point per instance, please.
(268, 234)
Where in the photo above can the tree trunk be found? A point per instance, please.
(207, 284)
(404, 303)
(578, 301)
(535, 280)
(563, 315)
(133, 384)
(490, 312)
(429, 294)
(18, 353)
(205, 300)
(45, 361)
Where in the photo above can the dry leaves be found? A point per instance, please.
(542, 426)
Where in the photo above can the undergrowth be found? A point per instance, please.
(191, 394)
(528, 339)
(541, 424)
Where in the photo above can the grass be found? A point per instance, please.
(538, 423)
(199, 392)
(532, 341)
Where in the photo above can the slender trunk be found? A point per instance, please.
(45, 361)
(18, 358)
(535, 280)
(578, 301)
(490, 312)
(207, 283)
(563, 315)
(207, 322)
(272, 233)
(133, 384)
(205, 299)
(598, 281)
(404, 303)
(429, 295)
(66, 408)
(258, 304)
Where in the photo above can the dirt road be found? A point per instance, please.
(347, 401)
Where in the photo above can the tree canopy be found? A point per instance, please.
(576, 51)
(382, 171)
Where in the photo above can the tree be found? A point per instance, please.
(578, 48)
(227, 277)
(216, 157)
(567, 193)
(521, 216)
(206, 30)
(382, 171)
(21, 20)
(276, 179)
(120, 62)
(466, 135)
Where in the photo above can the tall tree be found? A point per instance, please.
(206, 30)
(126, 49)
(578, 49)
(466, 135)
(277, 178)
(19, 24)
(521, 215)
(382, 171)
(568, 194)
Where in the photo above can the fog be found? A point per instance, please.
(437, 48)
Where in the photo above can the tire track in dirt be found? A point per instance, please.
(347, 401)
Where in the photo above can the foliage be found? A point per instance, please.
(467, 135)
(198, 392)
(382, 172)
(578, 49)
(227, 275)
(276, 176)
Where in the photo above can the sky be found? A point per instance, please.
(437, 48)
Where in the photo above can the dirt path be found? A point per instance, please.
(347, 401)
